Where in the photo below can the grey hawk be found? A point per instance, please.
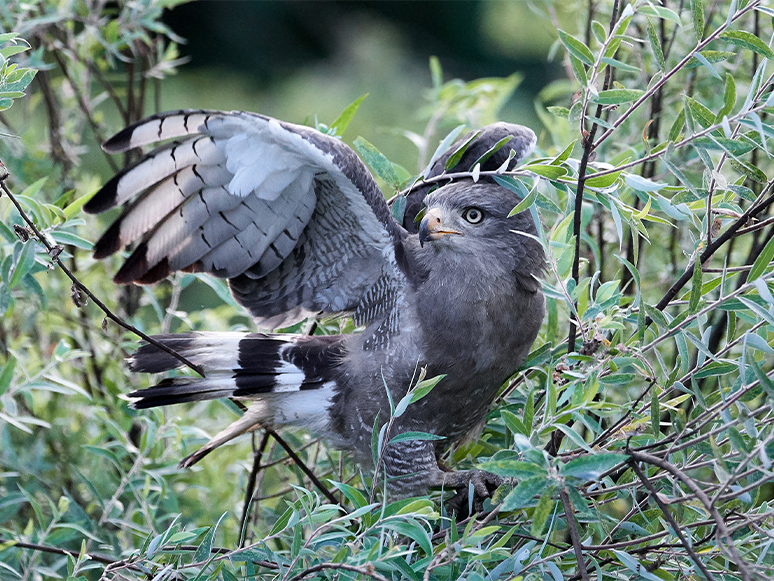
(296, 223)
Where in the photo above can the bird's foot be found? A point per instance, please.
(483, 484)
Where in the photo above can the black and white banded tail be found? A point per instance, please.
(288, 380)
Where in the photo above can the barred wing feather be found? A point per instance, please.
(289, 215)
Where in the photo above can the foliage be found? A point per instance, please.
(637, 438)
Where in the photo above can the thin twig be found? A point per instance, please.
(722, 529)
(304, 468)
(657, 85)
(367, 570)
(250, 488)
(588, 147)
(572, 525)
(668, 516)
(81, 287)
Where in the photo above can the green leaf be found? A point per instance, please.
(413, 530)
(749, 170)
(715, 368)
(399, 209)
(604, 181)
(708, 56)
(762, 262)
(697, 9)
(443, 146)
(732, 146)
(580, 73)
(456, 156)
(205, 548)
(706, 64)
(617, 378)
(543, 510)
(518, 469)
(424, 387)
(378, 163)
(524, 492)
(655, 413)
(415, 436)
(592, 466)
(23, 263)
(343, 120)
(643, 184)
(356, 497)
(7, 374)
(375, 451)
(491, 151)
(525, 203)
(10, 51)
(64, 237)
(283, 520)
(613, 63)
(551, 172)
(576, 48)
(660, 12)
(677, 126)
(655, 46)
(749, 41)
(617, 96)
(695, 298)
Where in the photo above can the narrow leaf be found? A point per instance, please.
(762, 262)
(655, 46)
(456, 156)
(576, 48)
(23, 263)
(203, 551)
(697, 9)
(525, 203)
(749, 41)
(342, 121)
(592, 466)
(543, 510)
(378, 163)
(695, 297)
(415, 436)
(617, 96)
(524, 492)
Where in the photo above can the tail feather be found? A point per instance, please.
(290, 380)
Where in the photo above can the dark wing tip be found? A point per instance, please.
(110, 241)
(134, 267)
(121, 141)
(105, 198)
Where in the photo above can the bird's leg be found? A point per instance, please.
(412, 467)
(484, 485)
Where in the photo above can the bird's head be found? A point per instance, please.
(471, 219)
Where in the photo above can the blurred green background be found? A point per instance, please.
(299, 59)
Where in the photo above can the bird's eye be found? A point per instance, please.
(473, 215)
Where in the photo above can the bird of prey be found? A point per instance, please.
(296, 223)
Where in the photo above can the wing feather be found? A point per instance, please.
(289, 215)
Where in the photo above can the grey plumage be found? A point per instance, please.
(294, 221)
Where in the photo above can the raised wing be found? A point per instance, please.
(289, 215)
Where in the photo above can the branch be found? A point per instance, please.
(722, 529)
(712, 248)
(569, 513)
(588, 147)
(672, 523)
(305, 469)
(250, 488)
(656, 86)
(53, 252)
(368, 570)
